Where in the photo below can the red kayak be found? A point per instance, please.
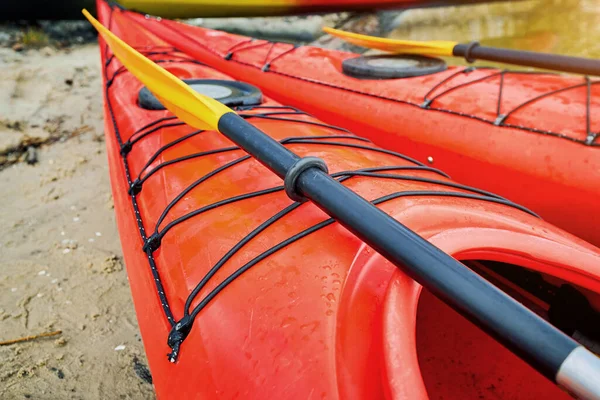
(236, 8)
(531, 137)
(280, 302)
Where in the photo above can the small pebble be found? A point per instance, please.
(13, 289)
(90, 240)
(54, 280)
(73, 208)
(59, 289)
(98, 234)
(76, 219)
(120, 347)
(32, 156)
(65, 251)
(68, 302)
(42, 273)
(47, 51)
(40, 294)
(62, 233)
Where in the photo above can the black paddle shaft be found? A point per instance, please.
(523, 332)
(577, 65)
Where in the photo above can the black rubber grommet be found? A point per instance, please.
(152, 244)
(392, 66)
(126, 148)
(177, 335)
(468, 51)
(230, 93)
(291, 177)
(135, 188)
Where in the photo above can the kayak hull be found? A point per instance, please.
(539, 156)
(325, 316)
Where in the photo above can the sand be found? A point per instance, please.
(60, 256)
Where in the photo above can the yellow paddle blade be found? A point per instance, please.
(434, 47)
(191, 107)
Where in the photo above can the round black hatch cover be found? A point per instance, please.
(392, 66)
(230, 93)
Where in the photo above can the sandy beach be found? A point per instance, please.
(60, 252)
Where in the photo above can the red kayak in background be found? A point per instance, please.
(237, 8)
(279, 301)
(531, 137)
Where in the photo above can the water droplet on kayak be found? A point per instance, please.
(292, 294)
(430, 160)
(330, 297)
(329, 313)
(327, 268)
(287, 322)
(324, 278)
(337, 282)
(310, 327)
(335, 275)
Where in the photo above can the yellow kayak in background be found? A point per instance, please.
(238, 8)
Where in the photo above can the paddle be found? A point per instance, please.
(551, 352)
(473, 51)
